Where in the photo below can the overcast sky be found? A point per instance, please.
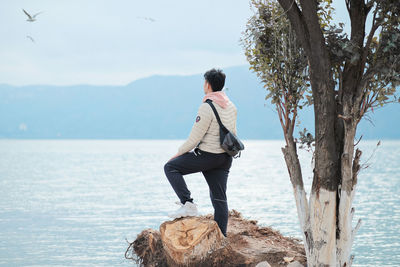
(109, 42)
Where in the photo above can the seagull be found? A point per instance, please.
(30, 37)
(31, 18)
(147, 18)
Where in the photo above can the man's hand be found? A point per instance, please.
(176, 155)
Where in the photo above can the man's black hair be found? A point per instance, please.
(216, 78)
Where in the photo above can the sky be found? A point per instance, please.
(103, 42)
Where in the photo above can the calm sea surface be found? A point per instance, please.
(74, 202)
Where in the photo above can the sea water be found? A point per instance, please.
(78, 202)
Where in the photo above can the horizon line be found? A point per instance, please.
(125, 84)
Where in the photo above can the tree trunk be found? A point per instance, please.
(323, 228)
(349, 169)
(322, 202)
(331, 236)
(296, 178)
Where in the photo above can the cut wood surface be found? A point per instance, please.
(197, 241)
(189, 240)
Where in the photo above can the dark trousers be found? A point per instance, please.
(215, 168)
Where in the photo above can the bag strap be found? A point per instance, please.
(209, 101)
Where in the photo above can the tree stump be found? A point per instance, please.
(190, 240)
(198, 242)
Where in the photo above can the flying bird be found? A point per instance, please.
(31, 18)
(147, 18)
(30, 37)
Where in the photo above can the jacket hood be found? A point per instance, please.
(218, 97)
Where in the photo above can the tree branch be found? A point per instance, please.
(365, 98)
(358, 141)
(355, 230)
(366, 78)
(353, 71)
(311, 19)
(295, 17)
(348, 6)
(279, 109)
(371, 34)
(319, 57)
(340, 91)
(294, 119)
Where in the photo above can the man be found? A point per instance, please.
(207, 157)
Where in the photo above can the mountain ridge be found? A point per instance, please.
(154, 107)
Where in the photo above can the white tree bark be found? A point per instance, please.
(303, 214)
(323, 228)
(325, 215)
(343, 244)
(296, 178)
(317, 218)
(347, 192)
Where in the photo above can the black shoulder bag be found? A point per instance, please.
(229, 142)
